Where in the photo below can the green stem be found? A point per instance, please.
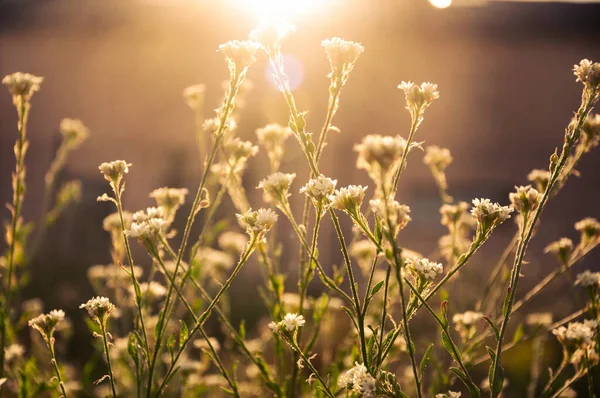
(110, 372)
(18, 196)
(55, 365)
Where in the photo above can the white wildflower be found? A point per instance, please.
(588, 279)
(525, 199)
(269, 35)
(22, 85)
(562, 248)
(276, 187)
(418, 98)
(293, 321)
(273, 137)
(113, 171)
(349, 198)
(13, 352)
(257, 222)
(358, 380)
(233, 242)
(319, 190)
(589, 229)
(194, 96)
(74, 132)
(437, 158)
(540, 178)
(239, 54)
(489, 215)
(379, 155)
(452, 214)
(576, 333)
(169, 198)
(424, 268)
(591, 131)
(47, 323)
(342, 55)
(588, 73)
(99, 308)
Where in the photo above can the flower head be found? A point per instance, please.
(258, 222)
(319, 190)
(269, 35)
(540, 178)
(588, 73)
(398, 214)
(290, 322)
(47, 323)
(22, 85)
(113, 171)
(349, 198)
(423, 268)
(588, 279)
(452, 214)
(272, 137)
(562, 248)
(239, 55)
(276, 187)
(194, 96)
(232, 242)
(418, 98)
(342, 55)
(379, 155)
(576, 334)
(359, 380)
(364, 251)
(589, 229)
(525, 199)
(465, 323)
(437, 158)
(591, 131)
(99, 308)
(74, 132)
(169, 199)
(489, 215)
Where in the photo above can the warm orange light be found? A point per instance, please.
(280, 10)
(441, 3)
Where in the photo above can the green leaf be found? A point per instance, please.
(171, 346)
(376, 288)
(473, 389)
(183, 333)
(132, 348)
(425, 360)
(243, 329)
(518, 334)
(494, 328)
(450, 346)
(499, 380)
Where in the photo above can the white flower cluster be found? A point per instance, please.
(22, 85)
(290, 322)
(378, 154)
(562, 248)
(239, 54)
(46, 323)
(112, 222)
(452, 214)
(424, 268)
(525, 199)
(148, 224)
(272, 137)
(319, 190)
(489, 215)
(588, 73)
(13, 352)
(114, 171)
(74, 132)
(194, 96)
(152, 291)
(213, 262)
(359, 380)
(257, 222)
(589, 229)
(169, 198)
(240, 150)
(398, 213)
(232, 242)
(99, 308)
(269, 35)
(577, 333)
(276, 187)
(591, 131)
(348, 198)
(451, 394)
(342, 55)
(437, 158)
(465, 323)
(588, 279)
(418, 98)
(110, 275)
(540, 178)
(364, 251)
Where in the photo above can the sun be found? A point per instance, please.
(280, 10)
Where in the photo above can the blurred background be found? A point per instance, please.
(506, 94)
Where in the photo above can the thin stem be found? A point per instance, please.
(236, 79)
(528, 229)
(204, 316)
(110, 372)
(18, 196)
(55, 365)
(413, 129)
